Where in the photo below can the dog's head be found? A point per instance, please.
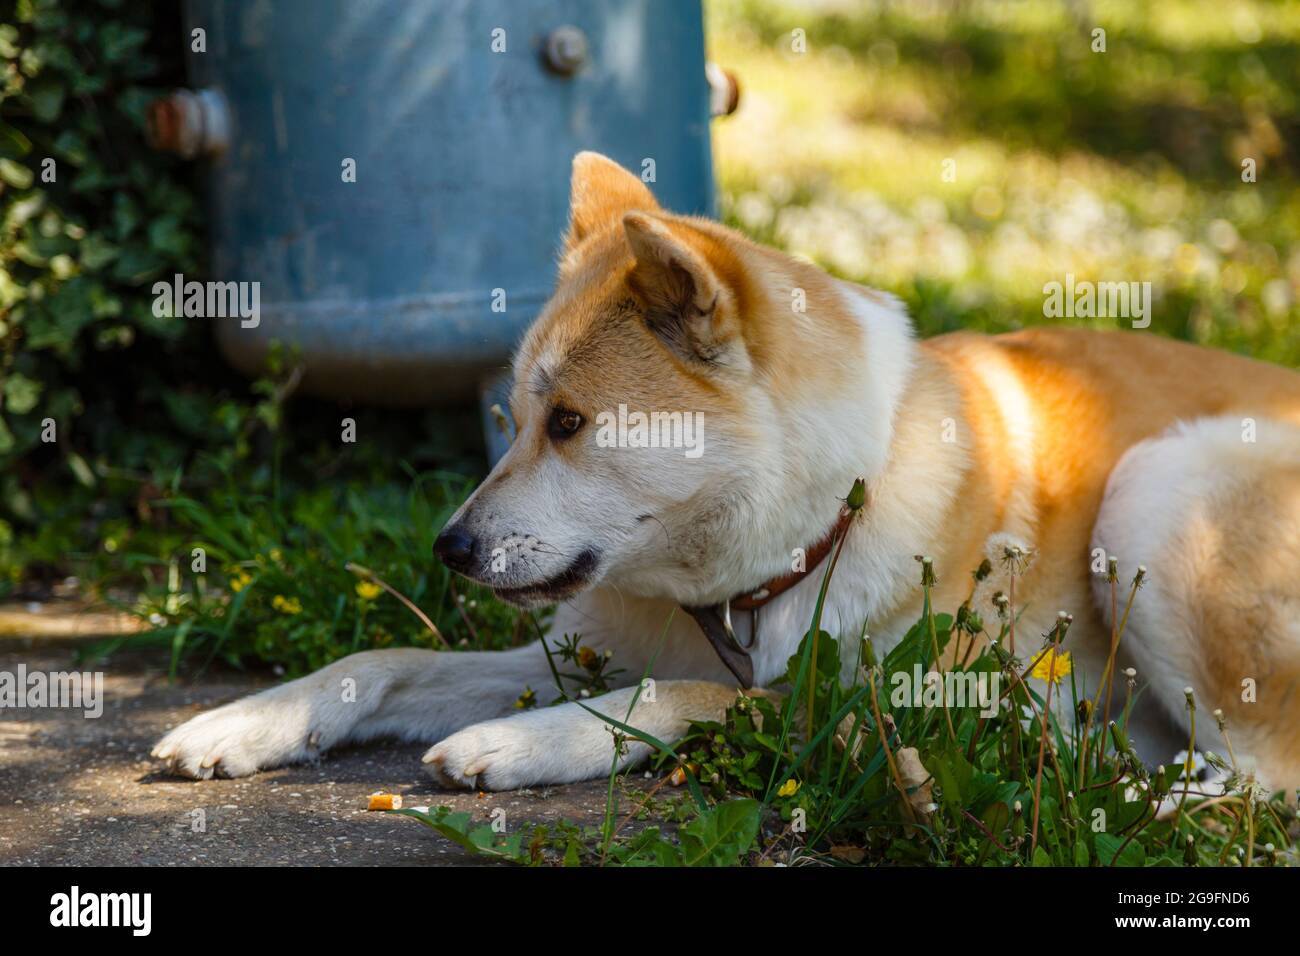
(664, 414)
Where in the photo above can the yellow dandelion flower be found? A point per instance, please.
(527, 700)
(1046, 669)
(368, 590)
(789, 788)
(286, 605)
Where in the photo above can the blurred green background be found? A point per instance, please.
(1113, 166)
(1122, 165)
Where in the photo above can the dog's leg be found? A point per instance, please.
(567, 743)
(404, 692)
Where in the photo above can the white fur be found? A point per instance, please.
(1155, 514)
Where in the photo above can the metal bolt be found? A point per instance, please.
(566, 49)
(724, 90)
(189, 123)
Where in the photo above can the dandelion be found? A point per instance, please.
(1016, 558)
(857, 495)
(789, 788)
(286, 605)
(368, 590)
(1002, 603)
(1053, 665)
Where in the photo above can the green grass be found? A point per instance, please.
(293, 580)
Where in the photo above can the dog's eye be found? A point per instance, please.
(564, 423)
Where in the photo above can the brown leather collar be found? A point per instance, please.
(715, 619)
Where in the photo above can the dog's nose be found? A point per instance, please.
(455, 546)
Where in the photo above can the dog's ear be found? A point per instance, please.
(687, 305)
(600, 193)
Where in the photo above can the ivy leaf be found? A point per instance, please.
(46, 97)
(21, 393)
(96, 252)
(15, 174)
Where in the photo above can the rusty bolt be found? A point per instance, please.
(189, 123)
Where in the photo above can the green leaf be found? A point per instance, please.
(81, 470)
(21, 393)
(647, 848)
(47, 100)
(572, 854)
(96, 252)
(480, 841)
(168, 236)
(1108, 845)
(720, 835)
(953, 774)
(16, 174)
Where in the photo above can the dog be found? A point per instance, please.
(700, 567)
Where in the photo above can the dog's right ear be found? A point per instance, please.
(601, 192)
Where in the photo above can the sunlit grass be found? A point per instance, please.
(1115, 166)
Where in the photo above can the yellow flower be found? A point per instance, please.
(240, 580)
(1045, 668)
(789, 788)
(588, 659)
(286, 605)
(527, 700)
(368, 590)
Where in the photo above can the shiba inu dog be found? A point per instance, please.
(697, 569)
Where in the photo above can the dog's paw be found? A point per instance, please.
(232, 741)
(494, 755)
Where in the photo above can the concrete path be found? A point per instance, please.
(79, 791)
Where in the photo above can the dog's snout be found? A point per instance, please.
(456, 547)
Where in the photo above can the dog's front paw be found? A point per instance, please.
(233, 741)
(494, 755)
